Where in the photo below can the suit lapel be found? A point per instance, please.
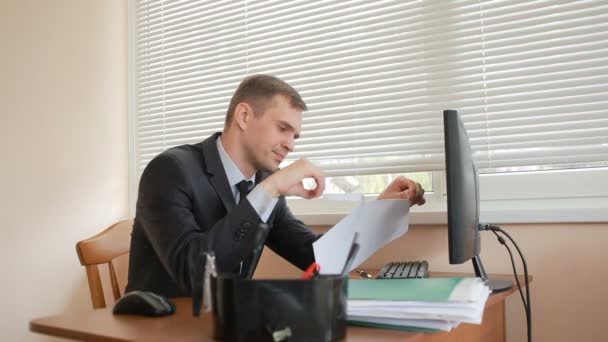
(216, 172)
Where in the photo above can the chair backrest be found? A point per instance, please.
(101, 249)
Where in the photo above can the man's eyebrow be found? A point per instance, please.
(290, 127)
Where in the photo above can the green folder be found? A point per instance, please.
(421, 290)
(392, 327)
(384, 299)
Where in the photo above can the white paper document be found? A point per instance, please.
(465, 304)
(377, 223)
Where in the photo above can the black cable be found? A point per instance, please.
(504, 243)
(527, 304)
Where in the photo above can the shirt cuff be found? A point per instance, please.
(262, 202)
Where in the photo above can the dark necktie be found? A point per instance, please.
(243, 186)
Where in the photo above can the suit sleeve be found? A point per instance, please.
(291, 238)
(164, 207)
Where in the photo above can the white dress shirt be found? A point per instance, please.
(259, 199)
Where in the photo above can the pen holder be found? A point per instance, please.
(279, 310)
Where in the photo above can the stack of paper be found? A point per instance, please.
(418, 304)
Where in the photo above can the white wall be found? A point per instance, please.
(63, 174)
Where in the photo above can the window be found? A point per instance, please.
(530, 78)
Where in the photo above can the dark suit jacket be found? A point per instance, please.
(185, 207)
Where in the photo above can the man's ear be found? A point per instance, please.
(243, 113)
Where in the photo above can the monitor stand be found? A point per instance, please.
(495, 285)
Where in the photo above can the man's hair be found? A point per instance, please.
(258, 91)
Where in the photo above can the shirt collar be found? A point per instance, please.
(233, 173)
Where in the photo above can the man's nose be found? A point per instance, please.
(289, 144)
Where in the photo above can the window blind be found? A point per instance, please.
(529, 78)
(544, 82)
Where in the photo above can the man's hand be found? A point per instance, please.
(403, 188)
(288, 181)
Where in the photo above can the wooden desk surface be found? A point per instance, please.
(102, 325)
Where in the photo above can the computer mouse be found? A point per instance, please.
(143, 303)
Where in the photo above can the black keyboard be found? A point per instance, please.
(404, 269)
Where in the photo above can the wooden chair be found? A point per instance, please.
(100, 249)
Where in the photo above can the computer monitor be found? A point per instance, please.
(463, 200)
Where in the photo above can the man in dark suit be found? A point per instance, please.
(189, 200)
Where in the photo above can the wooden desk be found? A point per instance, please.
(101, 325)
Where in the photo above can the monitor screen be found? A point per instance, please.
(462, 190)
(463, 200)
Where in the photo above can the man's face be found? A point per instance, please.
(271, 136)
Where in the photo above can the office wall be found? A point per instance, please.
(63, 132)
(567, 261)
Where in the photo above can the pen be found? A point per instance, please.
(258, 245)
(311, 271)
(354, 248)
(363, 274)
